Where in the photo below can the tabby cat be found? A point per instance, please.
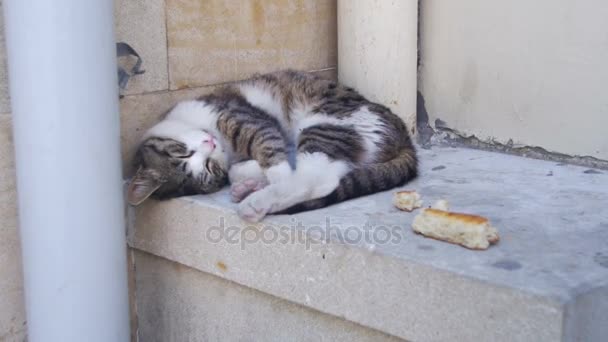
(287, 141)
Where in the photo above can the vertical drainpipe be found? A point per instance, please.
(377, 52)
(63, 82)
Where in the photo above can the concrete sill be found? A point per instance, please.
(547, 279)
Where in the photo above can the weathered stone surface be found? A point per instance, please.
(218, 41)
(12, 312)
(141, 24)
(178, 303)
(545, 281)
(377, 53)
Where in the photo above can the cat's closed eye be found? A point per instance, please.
(183, 156)
(179, 151)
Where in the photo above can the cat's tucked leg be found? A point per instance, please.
(245, 178)
(316, 175)
(258, 136)
(239, 191)
(253, 134)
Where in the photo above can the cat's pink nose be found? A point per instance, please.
(209, 142)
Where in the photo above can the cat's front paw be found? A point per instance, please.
(242, 189)
(253, 209)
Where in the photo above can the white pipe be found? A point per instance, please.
(63, 82)
(377, 52)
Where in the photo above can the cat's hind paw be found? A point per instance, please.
(242, 189)
(249, 212)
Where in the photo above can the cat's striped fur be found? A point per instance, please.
(288, 140)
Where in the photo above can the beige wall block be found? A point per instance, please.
(12, 311)
(377, 52)
(214, 41)
(140, 112)
(177, 303)
(5, 103)
(141, 24)
(531, 71)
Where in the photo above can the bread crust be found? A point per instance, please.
(469, 231)
(467, 218)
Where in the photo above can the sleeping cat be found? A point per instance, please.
(287, 141)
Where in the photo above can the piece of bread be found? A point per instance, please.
(441, 205)
(470, 231)
(407, 200)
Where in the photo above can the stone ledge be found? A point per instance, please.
(545, 281)
(178, 303)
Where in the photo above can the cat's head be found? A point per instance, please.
(175, 159)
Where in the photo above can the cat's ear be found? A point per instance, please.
(142, 185)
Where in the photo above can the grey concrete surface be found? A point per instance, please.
(545, 280)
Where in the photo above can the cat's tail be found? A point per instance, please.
(367, 180)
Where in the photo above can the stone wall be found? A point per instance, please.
(518, 73)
